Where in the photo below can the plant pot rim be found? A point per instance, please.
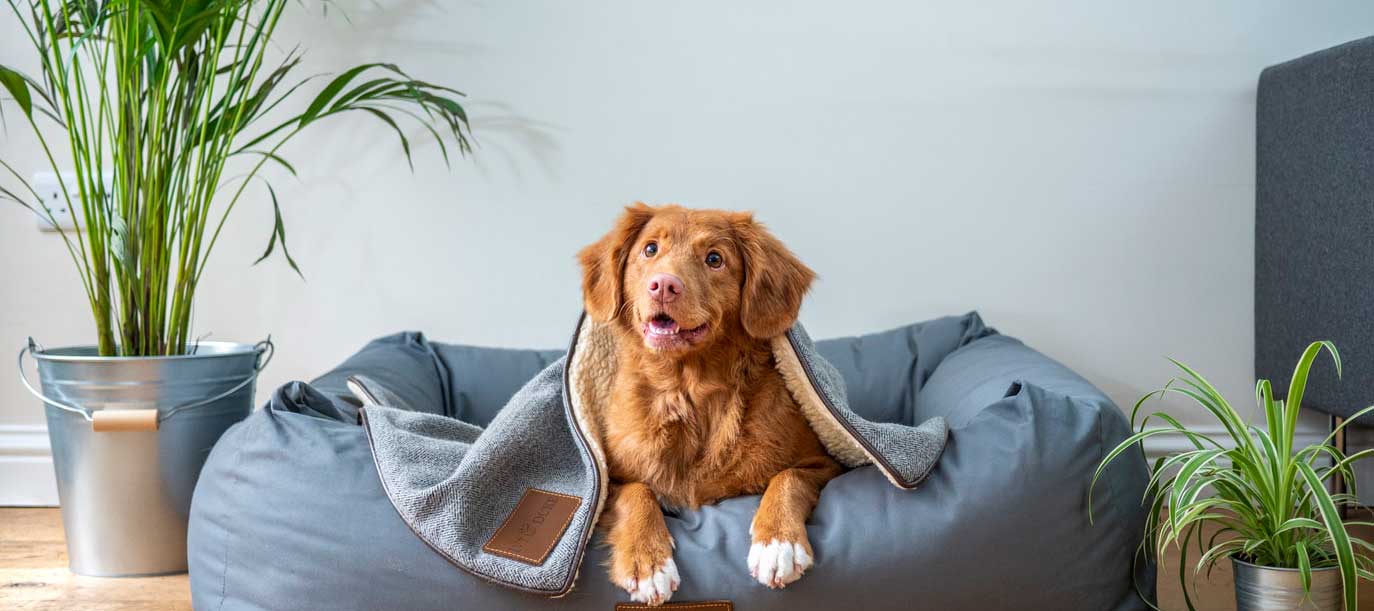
(91, 353)
(1237, 560)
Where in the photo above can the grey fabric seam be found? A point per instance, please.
(224, 573)
(914, 380)
(445, 378)
(581, 442)
(1102, 453)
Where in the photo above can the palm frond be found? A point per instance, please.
(157, 96)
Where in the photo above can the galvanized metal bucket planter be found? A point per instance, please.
(1266, 588)
(129, 436)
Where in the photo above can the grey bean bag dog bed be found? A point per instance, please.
(290, 511)
(516, 503)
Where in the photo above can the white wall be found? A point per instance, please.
(1082, 173)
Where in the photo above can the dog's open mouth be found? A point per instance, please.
(662, 332)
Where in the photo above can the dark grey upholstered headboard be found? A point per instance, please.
(1314, 222)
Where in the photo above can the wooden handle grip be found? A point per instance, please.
(118, 420)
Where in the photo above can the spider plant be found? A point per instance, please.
(1268, 499)
(153, 99)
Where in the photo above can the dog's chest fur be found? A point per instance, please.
(700, 430)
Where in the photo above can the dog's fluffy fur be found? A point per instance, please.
(698, 410)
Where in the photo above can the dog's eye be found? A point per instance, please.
(651, 249)
(714, 260)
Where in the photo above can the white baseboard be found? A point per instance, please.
(1164, 445)
(26, 475)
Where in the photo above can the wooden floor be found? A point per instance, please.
(1218, 593)
(34, 576)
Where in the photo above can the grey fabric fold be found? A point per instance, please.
(455, 484)
(906, 454)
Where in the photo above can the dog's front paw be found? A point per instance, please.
(648, 581)
(778, 562)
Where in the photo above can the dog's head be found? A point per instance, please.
(682, 278)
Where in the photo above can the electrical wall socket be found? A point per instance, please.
(50, 193)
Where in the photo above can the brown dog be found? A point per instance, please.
(698, 410)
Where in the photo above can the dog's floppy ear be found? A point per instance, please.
(774, 280)
(603, 262)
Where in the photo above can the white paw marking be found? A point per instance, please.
(778, 563)
(657, 588)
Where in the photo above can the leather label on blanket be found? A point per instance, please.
(713, 605)
(530, 532)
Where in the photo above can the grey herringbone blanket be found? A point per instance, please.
(458, 486)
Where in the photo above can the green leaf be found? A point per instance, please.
(1273, 458)
(120, 244)
(1228, 415)
(1298, 386)
(1355, 417)
(1185, 475)
(18, 88)
(405, 144)
(274, 157)
(1264, 393)
(14, 197)
(1182, 583)
(1120, 448)
(371, 88)
(1295, 523)
(1304, 566)
(1361, 455)
(1224, 413)
(1136, 409)
(1215, 553)
(278, 235)
(1335, 529)
(1161, 467)
(1192, 437)
(332, 89)
(233, 112)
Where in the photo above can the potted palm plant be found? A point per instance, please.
(169, 110)
(1267, 501)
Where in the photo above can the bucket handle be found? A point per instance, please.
(263, 347)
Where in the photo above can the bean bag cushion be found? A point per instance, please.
(289, 511)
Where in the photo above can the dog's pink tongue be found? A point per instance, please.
(663, 326)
